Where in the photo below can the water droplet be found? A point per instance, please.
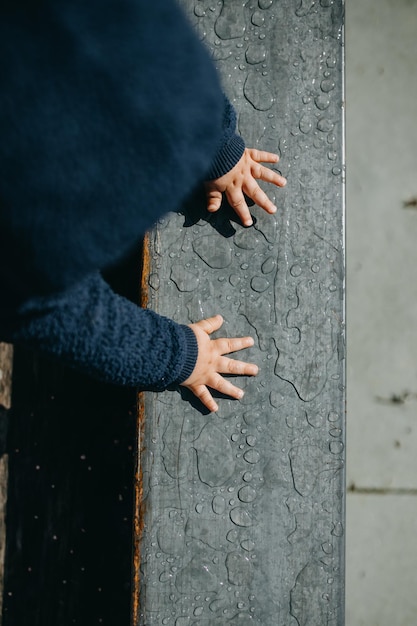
(255, 54)
(247, 494)
(268, 266)
(322, 102)
(305, 7)
(251, 417)
(296, 270)
(199, 508)
(215, 606)
(214, 251)
(247, 545)
(336, 447)
(335, 432)
(259, 284)
(198, 611)
(332, 287)
(221, 54)
(247, 477)
(305, 124)
(199, 11)
(332, 155)
(257, 92)
(184, 279)
(154, 281)
(327, 85)
(232, 536)
(333, 416)
(325, 125)
(231, 23)
(327, 547)
(315, 268)
(218, 505)
(241, 516)
(251, 456)
(214, 456)
(258, 18)
(246, 240)
(336, 171)
(265, 4)
(251, 440)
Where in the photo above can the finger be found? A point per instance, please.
(210, 324)
(237, 201)
(237, 368)
(203, 394)
(261, 156)
(226, 345)
(225, 387)
(269, 176)
(214, 200)
(260, 197)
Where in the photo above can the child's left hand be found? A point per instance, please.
(242, 180)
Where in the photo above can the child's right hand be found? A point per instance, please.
(211, 363)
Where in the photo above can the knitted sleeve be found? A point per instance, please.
(94, 330)
(231, 147)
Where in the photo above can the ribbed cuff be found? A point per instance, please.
(190, 354)
(226, 159)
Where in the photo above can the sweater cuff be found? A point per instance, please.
(230, 154)
(190, 353)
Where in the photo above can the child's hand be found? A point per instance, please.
(211, 363)
(242, 180)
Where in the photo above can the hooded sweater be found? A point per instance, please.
(111, 112)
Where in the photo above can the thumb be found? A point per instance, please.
(214, 200)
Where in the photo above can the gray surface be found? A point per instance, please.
(381, 92)
(244, 509)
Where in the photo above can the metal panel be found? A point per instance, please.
(242, 511)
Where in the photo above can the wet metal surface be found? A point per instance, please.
(244, 509)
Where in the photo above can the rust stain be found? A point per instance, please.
(411, 203)
(146, 270)
(139, 507)
(6, 367)
(139, 510)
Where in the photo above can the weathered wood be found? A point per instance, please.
(242, 512)
(6, 362)
(6, 365)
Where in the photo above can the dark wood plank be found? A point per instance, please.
(69, 516)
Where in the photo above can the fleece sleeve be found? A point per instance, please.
(231, 146)
(94, 330)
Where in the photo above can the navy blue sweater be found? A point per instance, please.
(110, 113)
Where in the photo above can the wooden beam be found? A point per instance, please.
(242, 512)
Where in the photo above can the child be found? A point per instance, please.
(110, 114)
